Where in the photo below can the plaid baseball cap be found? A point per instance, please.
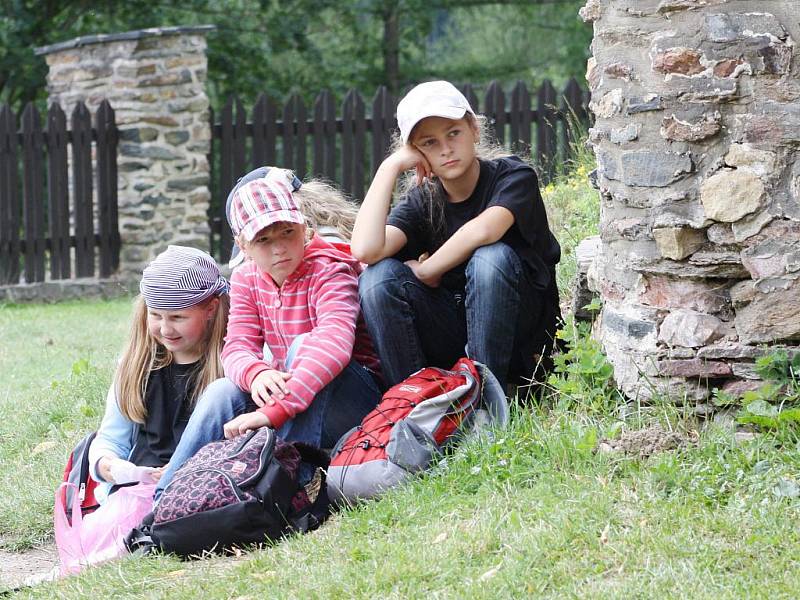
(181, 277)
(247, 209)
(430, 99)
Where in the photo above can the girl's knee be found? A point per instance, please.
(380, 277)
(220, 392)
(491, 258)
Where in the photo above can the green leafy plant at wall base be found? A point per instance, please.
(582, 378)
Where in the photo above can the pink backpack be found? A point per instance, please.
(416, 420)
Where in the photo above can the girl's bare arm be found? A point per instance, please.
(372, 239)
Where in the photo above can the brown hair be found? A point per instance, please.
(143, 354)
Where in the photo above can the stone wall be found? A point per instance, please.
(155, 81)
(697, 139)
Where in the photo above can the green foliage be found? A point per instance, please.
(27, 24)
(573, 210)
(583, 379)
(775, 406)
(307, 45)
(778, 366)
(485, 42)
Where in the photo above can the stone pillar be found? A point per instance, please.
(154, 80)
(697, 139)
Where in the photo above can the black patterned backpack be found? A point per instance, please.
(237, 492)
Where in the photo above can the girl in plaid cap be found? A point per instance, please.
(466, 262)
(171, 356)
(297, 355)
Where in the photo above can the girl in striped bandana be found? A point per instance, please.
(171, 356)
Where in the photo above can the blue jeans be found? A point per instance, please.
(337, 408)
(414, 326)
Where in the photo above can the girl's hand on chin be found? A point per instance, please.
(407, 158)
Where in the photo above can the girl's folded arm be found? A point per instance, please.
(487, 228)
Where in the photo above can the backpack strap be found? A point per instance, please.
(307, 515)
(139, 540)
(313, 455)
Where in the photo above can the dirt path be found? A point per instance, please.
(20, 568)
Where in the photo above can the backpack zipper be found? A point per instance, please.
(267, 450)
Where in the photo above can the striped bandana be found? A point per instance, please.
(181, 277)
(260, 203)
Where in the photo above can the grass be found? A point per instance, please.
(57, 362)
(533, 511)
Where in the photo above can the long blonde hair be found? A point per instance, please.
(486, 148)
(323, 205)
(143, 354)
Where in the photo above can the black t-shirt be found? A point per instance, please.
(508, 182)
(168, 409)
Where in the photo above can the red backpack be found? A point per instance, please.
(77, 473)
(416, 420)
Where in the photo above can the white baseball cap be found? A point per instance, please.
(430, 99)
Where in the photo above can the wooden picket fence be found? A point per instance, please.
(41, 223)
(347, 150)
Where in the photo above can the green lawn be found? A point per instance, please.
(534, 511)
(57, 362)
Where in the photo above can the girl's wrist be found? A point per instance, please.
(422, 271)
(394, 165)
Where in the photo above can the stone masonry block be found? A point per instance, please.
(690, 328)
(645, 168)
(675, 129)
(770, 317)
(705, 296)
(730, 195)
(678, 61)
(678, 242)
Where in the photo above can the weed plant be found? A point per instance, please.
(573, 210)
(775, 406)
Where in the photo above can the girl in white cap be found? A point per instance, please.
(171, 356)
(466, 262)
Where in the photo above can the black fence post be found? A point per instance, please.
(9, 198)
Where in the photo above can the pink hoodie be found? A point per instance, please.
(319, 298)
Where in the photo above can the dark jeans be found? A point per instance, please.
(414, 326)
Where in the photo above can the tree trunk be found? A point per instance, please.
(391, 46)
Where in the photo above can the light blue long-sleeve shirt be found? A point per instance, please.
(116, 437)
